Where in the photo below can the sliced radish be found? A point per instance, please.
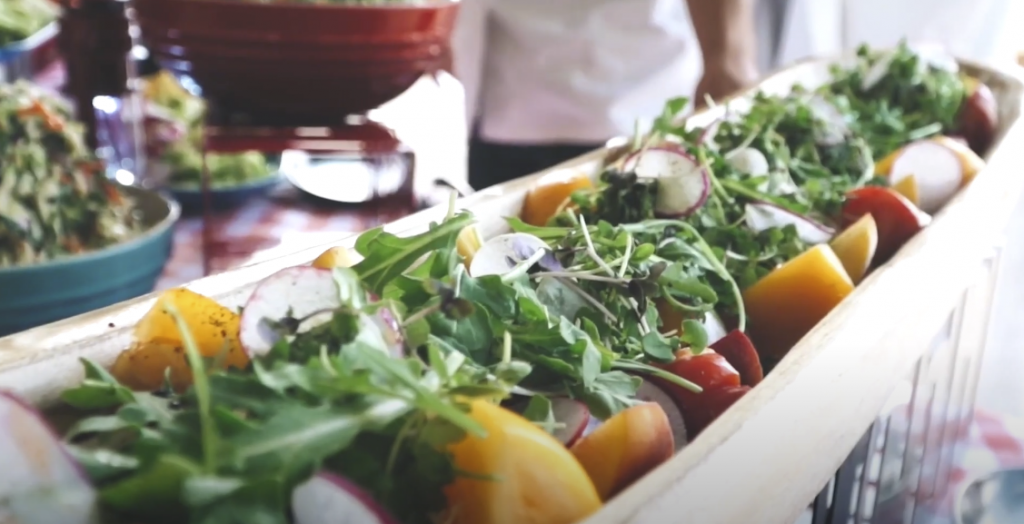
(749, 161)
(498, 255)
(330, 499)
(649, 392)
(572, 415)
(761, 216)
(878, 71)
(39, 482)
(295, 292)
(683, 184)
(391, 331)
(707, 135)
(833, 129)
(936, 169)
(714, 326)
(591, 426)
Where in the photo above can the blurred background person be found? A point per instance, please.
(548, 80)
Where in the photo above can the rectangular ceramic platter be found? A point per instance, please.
(767, 457)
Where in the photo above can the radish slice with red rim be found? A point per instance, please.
(330, 499)
(748, 161)
(391, 331)
(936, 170)
(303, 293)
(39, 483)
(761, 216)
(648, 392)
(574, 417)
(707, 135)
(499, 255)
(591, 426)
(683, 184)
(833, 129)
(714, 327)
(878, 70)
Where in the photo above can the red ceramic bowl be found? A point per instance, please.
(308, 63)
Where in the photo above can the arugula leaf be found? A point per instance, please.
(544, 233)
(694, 335)
(538, 411)
(490, 293)
(660, 348)
(611, 393)
(296, 435)
(99, 389)
(386, 256)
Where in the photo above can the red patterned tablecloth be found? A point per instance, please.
(990, 442)
(429, 118)
(260, 231)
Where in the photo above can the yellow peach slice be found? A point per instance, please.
(856, 245)
(516, 474)
(550, 196)
(158, 343)
(788, 302)
(884, 166)
(625, 448)
(335, 257)
(907, 186)
(468, 243)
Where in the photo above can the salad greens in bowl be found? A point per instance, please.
(70, 239)
(20, 19)
(183, 158)
(234, 178)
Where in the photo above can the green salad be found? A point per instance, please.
(54, 197)
(802, 153)
(523, 378)
(20, 19)
(184, 157)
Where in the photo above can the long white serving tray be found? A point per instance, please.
(768, 456)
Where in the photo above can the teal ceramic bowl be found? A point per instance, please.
(38, 294)
(224, 197)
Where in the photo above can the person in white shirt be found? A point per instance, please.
(547, 80)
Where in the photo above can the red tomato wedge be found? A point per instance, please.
(739, 351)
(710, 371)
(896, 218)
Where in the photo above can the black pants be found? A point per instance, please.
(491, 163)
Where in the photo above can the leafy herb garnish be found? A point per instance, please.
(819, 144)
